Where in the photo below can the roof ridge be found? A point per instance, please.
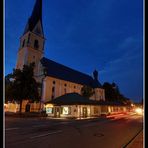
(68, 67)
(66, 73)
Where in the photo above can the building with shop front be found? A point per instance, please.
(73, 105)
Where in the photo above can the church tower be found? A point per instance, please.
(32, 41)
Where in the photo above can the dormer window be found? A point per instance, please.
(36, 44)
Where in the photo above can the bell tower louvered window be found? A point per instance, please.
(36, 44)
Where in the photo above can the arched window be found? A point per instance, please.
(53, 93)
(36, 44)
(23, 43)
(28, 41)
(65, 90)
(53, 89)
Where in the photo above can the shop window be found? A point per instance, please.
(96, 111)
(66, 110)
(49, 110)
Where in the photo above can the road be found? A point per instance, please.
(111, 132)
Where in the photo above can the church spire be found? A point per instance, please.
(34, 19)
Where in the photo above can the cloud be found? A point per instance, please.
(124, 63)
(129, 42)
(127, 72)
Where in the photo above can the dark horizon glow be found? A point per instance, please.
(86, 35)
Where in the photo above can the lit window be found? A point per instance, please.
(49, 110)
(66, 110)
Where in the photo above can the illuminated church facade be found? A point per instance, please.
(59, 79)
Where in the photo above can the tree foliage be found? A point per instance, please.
(87, 91)
(112, 93)
(21, 85)
(8, 88)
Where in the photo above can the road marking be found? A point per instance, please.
(43, 135)
(8, 129)
(39, 125)
(89, 125)
(64, 122)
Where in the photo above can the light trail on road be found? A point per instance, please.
(43, 135)
(15, 128)
(100, 132)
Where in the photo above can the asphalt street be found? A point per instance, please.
(111, 132)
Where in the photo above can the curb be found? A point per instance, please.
(131, 142)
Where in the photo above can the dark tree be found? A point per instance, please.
(112, 93)
(23, 86)
(87, 91)
(8, 88)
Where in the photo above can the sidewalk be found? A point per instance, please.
(137, 142)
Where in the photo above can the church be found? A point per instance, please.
(58, 79)
(61, 85)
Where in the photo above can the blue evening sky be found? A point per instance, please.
(106, 35)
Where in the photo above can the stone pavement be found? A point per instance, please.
(137, 142)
